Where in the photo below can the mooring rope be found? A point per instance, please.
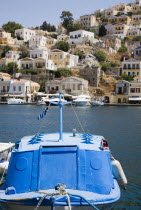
(83, 131)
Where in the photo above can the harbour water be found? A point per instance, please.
(121, 126)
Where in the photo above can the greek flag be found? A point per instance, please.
(41, 116)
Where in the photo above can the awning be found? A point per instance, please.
(135, 99)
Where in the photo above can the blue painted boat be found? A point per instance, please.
(60, 171)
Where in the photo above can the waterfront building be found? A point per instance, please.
(25, 33)
(132, 67)
(119, 19)
(70, 85)
(63, 59)
(88, 21)
(5, 38)
(127, 92)
(81, 36)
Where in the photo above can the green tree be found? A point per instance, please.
(10, 68)
(102, 30)
(66, 18)
(4, 49)
(54, 36)
(122, 49)
(100, 55)
(73, 27)
(11, 27)
(47, 27)
(24, 51)
(127, 77)
(42, 85)
(62, 72)
(62, 46)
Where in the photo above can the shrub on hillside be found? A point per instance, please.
(100, 55)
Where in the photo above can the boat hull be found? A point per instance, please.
(32, 207)
(82, 103)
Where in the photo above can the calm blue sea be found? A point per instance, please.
(121, 126)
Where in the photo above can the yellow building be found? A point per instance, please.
(119, 19)
(5, 38)
(50, 42)
(132, 67)
(88, 21)
(5, 61)
(122, 7)
(136, 20)
(136, 7)
(63, 59)
(120, 30)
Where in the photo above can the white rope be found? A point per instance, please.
(83, 131)
(69, 203)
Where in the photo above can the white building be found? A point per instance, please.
(81, 36)
(38, 63)
(134, 31)
(37, 41)
(24, 33)
(39, 53)
(12, 55)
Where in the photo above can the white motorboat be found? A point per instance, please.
(15, 101)
(82, 100)
(97, 103)
(54, 98)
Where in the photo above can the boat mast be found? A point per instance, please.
(60, 104)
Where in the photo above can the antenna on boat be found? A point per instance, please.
(60, 104)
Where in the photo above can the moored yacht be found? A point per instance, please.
(15, 101)
(82, 100)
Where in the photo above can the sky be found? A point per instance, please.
(32, 13)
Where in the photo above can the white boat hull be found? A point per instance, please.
(82, 103)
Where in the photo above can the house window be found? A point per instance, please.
(132, 90)
(20, 88)
(73, 86)
(137, 90)
(57, 88)
(79, 87)
(7, 88)
(14, 88)
(63, 87)
(137, 66)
